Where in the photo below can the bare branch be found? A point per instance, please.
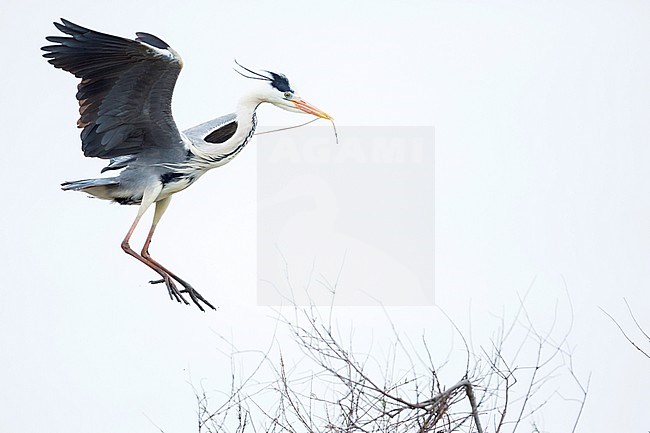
(629, 309)
(332, 388)
(624, 333)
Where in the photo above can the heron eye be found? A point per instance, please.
(288, 95)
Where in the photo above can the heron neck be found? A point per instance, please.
(209, 155)
(246, 123)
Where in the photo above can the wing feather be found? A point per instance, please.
(125, 90)
(222, 133)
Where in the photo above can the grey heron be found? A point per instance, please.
(124, 99)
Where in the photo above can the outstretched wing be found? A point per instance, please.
(125, 91)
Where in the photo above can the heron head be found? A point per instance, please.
(280, 94)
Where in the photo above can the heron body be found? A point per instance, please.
(179, 169)
(125, 111)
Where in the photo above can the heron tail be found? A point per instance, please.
(79, 185)
(104, 188)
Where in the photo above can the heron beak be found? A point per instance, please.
(310, 109)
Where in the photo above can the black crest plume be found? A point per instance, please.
(279, 81)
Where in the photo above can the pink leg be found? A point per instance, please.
(171, 287)
(161, 207)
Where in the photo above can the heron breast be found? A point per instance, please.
(175, 182)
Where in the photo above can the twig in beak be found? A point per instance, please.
(336, 135)
(288, 127)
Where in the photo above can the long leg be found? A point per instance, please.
(147, 200)
(161, 207)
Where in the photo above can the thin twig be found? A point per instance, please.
(624, 334)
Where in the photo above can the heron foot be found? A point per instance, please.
(174, 293)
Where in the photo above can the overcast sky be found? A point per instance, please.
(540, 112)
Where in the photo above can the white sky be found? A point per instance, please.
(541, 114)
